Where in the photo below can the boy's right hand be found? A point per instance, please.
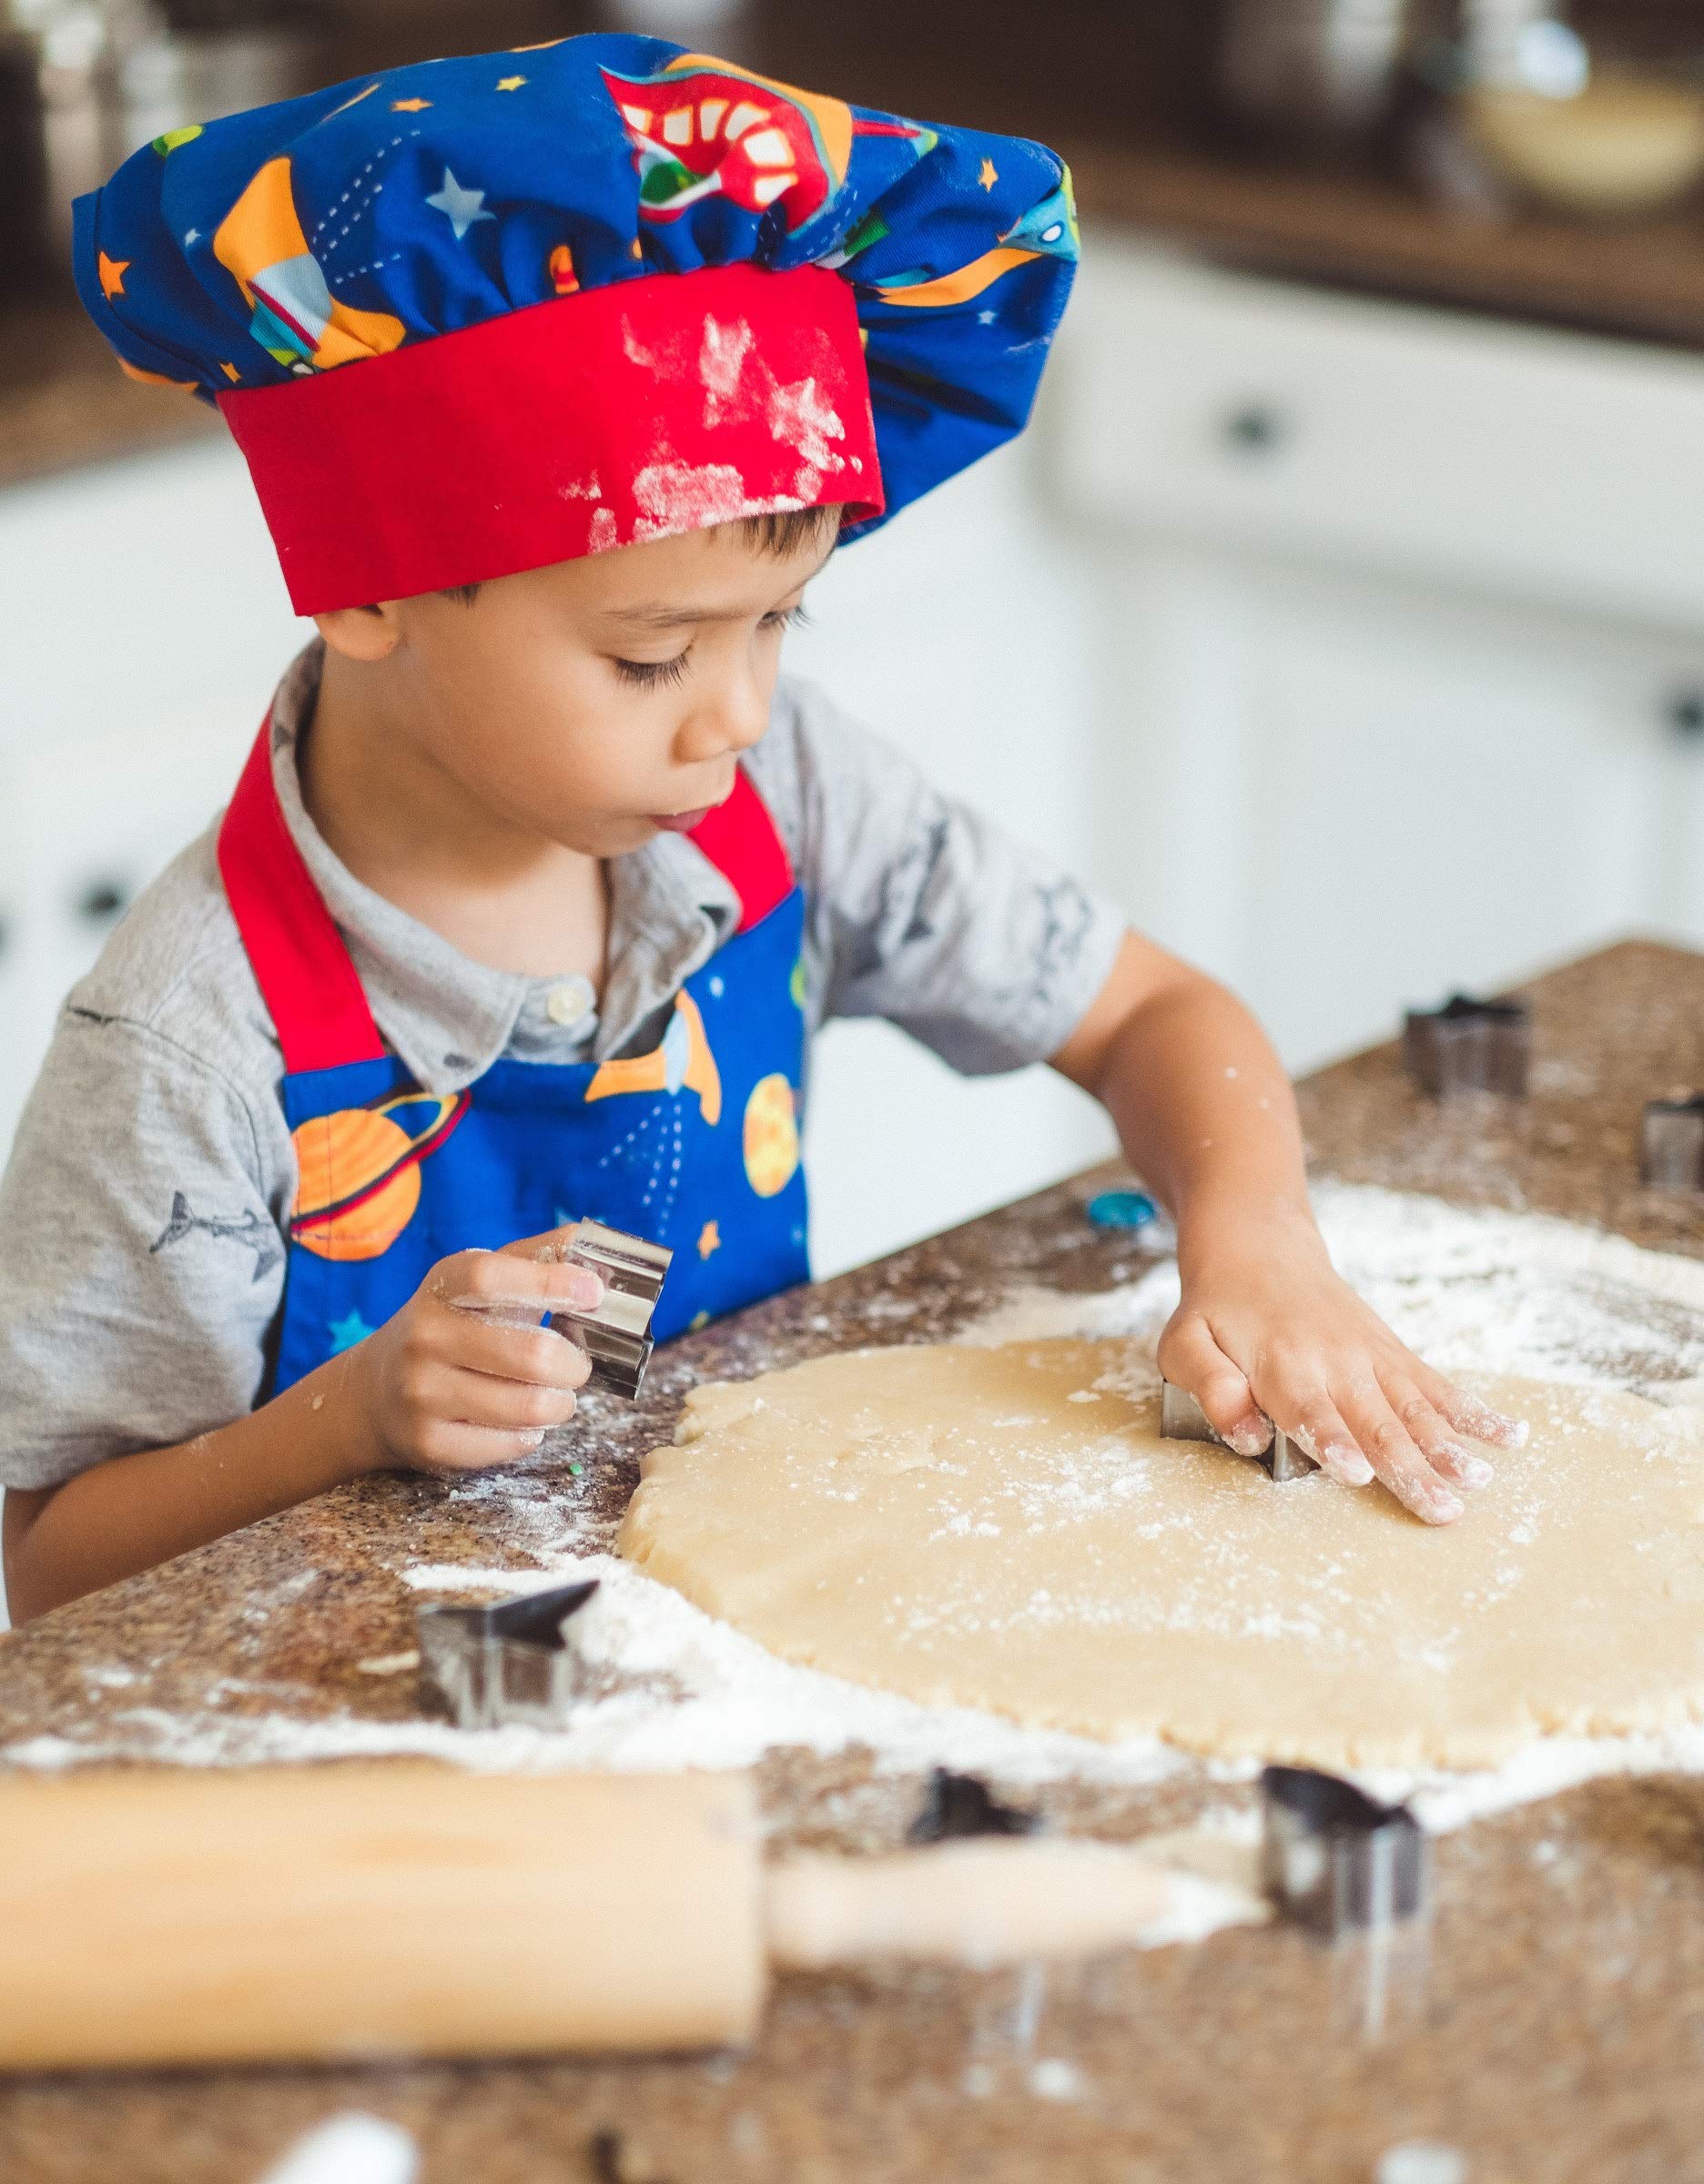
(463, 1377)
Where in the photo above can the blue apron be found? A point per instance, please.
(694, 1145)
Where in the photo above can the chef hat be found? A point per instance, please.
(482, 315)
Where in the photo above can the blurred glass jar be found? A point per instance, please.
(69, 52)
(1319, 73)
(104, 77)
(182, 77)
(1598, 115)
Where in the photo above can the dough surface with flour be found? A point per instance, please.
(1005, 1528)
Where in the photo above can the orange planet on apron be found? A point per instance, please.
(360, 1171)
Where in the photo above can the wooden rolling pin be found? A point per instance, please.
(320, 1914)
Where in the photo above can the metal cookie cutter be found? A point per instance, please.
(958, 1805)
(617, 1335)
(1006, 2016)
(1358, 1875)
(1469, 1046)
(1181, 1418)
(513, 1661)
(1335, 1859)
(1671, 1144)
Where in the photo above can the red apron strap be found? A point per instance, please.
(742, 842)
(306, 977)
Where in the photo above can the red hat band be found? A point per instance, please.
(612, 415)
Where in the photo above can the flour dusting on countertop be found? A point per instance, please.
(1486, 1290)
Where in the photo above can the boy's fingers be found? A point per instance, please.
(1191, 1360)
(549, 1247)
(1468, 1415)
(448, 1447)
(1432, 1436)
(536, 1355)
(463, 1398)
(514, 1276)
(1316, 1426)
(1386, 1445)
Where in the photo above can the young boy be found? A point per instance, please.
(560, 374)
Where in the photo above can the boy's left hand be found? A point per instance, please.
(1268, 1334)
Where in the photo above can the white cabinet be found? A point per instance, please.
(962, 632)
(92, 823)
(1401, 649)
(145, 623)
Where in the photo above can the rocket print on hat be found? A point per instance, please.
(701, 128)
(296, 319)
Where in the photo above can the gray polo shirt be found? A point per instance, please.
(143, 1213)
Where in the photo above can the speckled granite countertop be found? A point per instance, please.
(1564, 2036)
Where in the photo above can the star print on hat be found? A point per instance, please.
(484, 314)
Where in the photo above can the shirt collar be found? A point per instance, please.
(447, 1017)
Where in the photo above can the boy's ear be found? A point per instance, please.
(366, 634)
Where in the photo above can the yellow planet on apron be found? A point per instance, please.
(772, 1138)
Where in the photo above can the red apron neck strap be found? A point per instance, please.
(306, 977)
(740, 840)
(311, 988)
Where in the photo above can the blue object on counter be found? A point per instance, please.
(1122, 1209)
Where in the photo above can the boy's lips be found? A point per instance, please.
(681, 823)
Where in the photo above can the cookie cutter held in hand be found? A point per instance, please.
(1181, 1418)
(515, 1661)
(616, 1334)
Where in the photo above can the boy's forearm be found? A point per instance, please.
(131, 1513)
(1205, 1112)
(1203, 1109)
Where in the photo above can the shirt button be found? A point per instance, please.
(566, 1004)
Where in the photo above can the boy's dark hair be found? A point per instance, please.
(788, 531)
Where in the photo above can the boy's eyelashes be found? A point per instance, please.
(654, 675)
(651, 675)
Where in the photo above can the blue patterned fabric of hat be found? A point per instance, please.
(537, 198)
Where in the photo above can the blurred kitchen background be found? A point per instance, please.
(1344, 616)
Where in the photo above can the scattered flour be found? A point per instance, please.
(1495, 1291)
(1499, 1293)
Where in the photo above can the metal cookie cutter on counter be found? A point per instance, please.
(1358, 1875)
(516, 1660)
(1671, 1144)
(616, 1336)
(1469, 1046)
(1181, 1418)
(961, 1806)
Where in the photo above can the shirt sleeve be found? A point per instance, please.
(141, 1264)
(920, 910)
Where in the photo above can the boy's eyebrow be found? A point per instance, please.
(669, 614)
(661, 614)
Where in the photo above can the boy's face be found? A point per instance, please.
(595, 701)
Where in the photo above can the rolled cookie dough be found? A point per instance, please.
(1006, 1529)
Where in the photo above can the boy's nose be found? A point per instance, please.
(734, 721)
